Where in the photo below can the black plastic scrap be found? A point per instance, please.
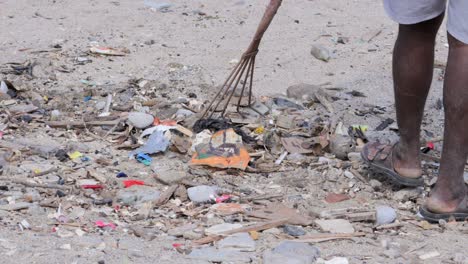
(215, 125)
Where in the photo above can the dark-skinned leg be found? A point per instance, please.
(413, 60)
(450, 188)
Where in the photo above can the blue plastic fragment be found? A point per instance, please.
(84, 159)
(122, 175)
(87, 98)
(144, 158)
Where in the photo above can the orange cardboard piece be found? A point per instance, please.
(224, 150)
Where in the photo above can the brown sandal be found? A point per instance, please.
(380, 157)
(460, 214)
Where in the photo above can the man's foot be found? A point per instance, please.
(406, 164)
(398, 167)
(446, 204)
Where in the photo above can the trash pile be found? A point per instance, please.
(140, 160)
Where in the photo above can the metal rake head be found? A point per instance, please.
(242, 75)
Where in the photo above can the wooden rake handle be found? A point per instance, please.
(270, 12)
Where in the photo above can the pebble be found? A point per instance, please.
(202, 193)
(407, 194)
(335, 226)
(240, 241)
(375, 184)
(429, 255)
(180, 230)
(137, 194)
(100, 105)
(334, 260)
(140, 120)
(354, 156)
(302, 91)
(291, 253)
(320, 53)
(341, 145)
(385, 215)
(295, 231)
(221, 228)
(192, 235)
(220, 255)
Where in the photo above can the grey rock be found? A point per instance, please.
(240, 241)
(180, 230)
(220, 255)
(341, 145)
(221, 228)
(354, 156)
(375, 184)
(302, 91)
(100, 105)
(295, 231)
(335, 226)
(137, 194)
(385, 215)
(320, 53)
(140, 120)
(168, 175)
(460, 258)
(407, 194)
(15, 206)
(291, 253)
(202, 193)
(183, 113)
(192, 235)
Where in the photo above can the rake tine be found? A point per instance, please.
(244, 84)
(251, 81)
(238, 78)
(220, 90)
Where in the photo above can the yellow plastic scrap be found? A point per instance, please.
(363, 128)
(75, 155)
(259, 130)
(254, 235)
(37, 171)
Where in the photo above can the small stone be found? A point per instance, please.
(334, 260)
(295, 231)
(180, 230)
(320, 53)
(100, 105)
(354, 156)
(140, 120)
(221, 228)
(137, 194)
(429, 255)
(222, 255)
(335, 226)
(192, 235)
(375, 184)
(385, 215)
(302, 91)
(291, 253)
(407, 194)
(66, 247)
(239, 241)
(341, 145)
(202, 193)
(460, 258)
(273, 231)
(170, 176)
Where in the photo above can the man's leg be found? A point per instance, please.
(413, 60)
(450, 188)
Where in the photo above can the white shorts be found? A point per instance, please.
(409, 12)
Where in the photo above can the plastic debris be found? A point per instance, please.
(224, 150)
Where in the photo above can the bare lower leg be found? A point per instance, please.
(413, 60)
(450, 188)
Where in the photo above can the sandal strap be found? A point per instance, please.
(383, 151)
